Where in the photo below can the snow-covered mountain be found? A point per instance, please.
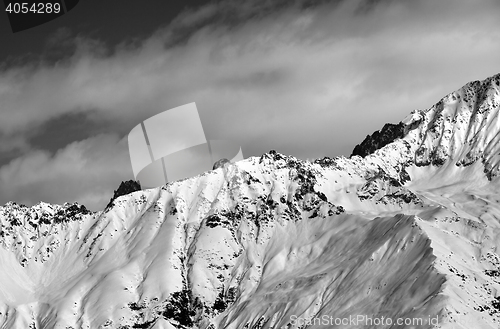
(403, 234)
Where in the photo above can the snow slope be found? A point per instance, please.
(409, 233)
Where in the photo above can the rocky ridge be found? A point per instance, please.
(405, 228)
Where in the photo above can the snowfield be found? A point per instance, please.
(406, 236)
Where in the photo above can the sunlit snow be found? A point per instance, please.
(409, 233)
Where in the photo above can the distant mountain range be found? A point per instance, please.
(403, 234)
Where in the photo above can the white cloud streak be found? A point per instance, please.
(83, 171)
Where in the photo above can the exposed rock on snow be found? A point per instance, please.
(407, 232)
(124, 189)
(388, 134)
(220, 163)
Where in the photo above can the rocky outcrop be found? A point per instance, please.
(125, 188)
(220, 163)
(388, 134)
(405, 230)
(461, 129)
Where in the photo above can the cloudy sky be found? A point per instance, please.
(306, 78)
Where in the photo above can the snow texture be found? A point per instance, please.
(409, 231)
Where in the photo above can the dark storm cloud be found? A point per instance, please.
(306, 79)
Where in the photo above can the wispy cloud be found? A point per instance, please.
(305, 79)
(82, 171)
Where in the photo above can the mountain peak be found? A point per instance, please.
(462, 128)
(396, 231)
(126, 187)
(388, 134)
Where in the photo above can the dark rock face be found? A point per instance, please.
(220, 163)
(72, 212)
(124, 188)
(388, 134)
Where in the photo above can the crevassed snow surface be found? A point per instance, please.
(406, 237)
